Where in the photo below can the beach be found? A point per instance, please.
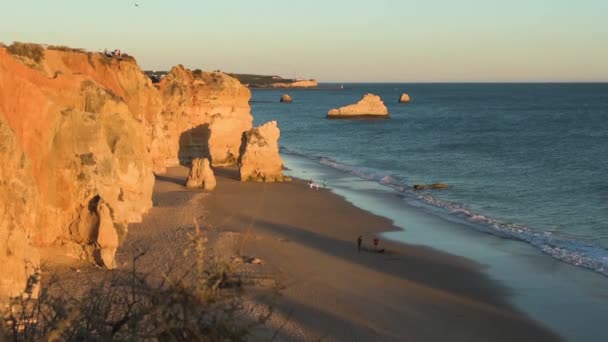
(319, 286)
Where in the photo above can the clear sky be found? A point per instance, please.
(335, 40)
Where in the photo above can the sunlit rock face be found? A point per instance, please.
(77, 122)
(260, 160)
(369, 106)
(204, 115)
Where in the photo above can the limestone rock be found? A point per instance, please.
(286, 98)
(204, 115)
(19, 203)
(405, 98)
(80, 137)
(260, 159)
(82, 131)
(434, 186)
(201, 175)
(369, 106)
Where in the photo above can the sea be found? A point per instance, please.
(526, 166)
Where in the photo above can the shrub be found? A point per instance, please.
(33, 51)
(201, 303)
(65, 48)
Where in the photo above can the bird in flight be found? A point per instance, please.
(136, 4)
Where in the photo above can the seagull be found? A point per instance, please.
(136, 4)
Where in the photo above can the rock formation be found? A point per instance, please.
(286, 98)
(434, 186)
(260, 160)
(204, 115)
(201, 175)
(71, 114)
(369, 106)
(405, 98)
(19, 203)
(80, 137)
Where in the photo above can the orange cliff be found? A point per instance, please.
(81, 135)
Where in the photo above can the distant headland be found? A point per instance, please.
(254, 81)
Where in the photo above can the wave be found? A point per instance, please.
(560, 246)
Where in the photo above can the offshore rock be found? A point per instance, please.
(286, 98)
(260, 160)
(434, 186)
(369, 106)
(405, 98)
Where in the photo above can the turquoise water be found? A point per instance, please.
(526, 165)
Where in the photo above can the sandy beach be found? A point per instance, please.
(320, 287)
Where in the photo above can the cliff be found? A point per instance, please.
(204, 115)
(81, 135)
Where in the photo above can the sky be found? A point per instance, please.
(335, 40)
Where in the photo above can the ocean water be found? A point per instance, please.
(524, 161)
(526, 165)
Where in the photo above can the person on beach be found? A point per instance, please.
(376, 241)
(359, 241)
(310, 184)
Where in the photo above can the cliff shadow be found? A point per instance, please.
(194, 143)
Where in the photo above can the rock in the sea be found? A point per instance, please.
(405, 98)
(369, 106)
(434, 186)
(201, 175)
(286, 98)
(260, 160)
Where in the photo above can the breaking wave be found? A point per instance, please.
(560, 246)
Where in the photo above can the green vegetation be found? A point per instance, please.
(29, 50)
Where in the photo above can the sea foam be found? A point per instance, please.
(560, 246)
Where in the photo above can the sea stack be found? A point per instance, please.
(370, 106)
(201, 175)
(286, 98)
(405, 98)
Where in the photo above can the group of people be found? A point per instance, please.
(115, 53)
(316, 185)
(360, 242)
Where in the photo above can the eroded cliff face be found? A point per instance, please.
(72, 115)
(204, 115)
(81, 137)
(19, 203)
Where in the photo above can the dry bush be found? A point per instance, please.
(200, 304)
(29, 50)
(65, 48)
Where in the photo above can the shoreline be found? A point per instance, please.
(312, 276)
(307, 239)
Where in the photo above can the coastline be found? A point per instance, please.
(306, 238)
(312, 276)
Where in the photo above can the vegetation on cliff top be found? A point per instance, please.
(29, 50)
